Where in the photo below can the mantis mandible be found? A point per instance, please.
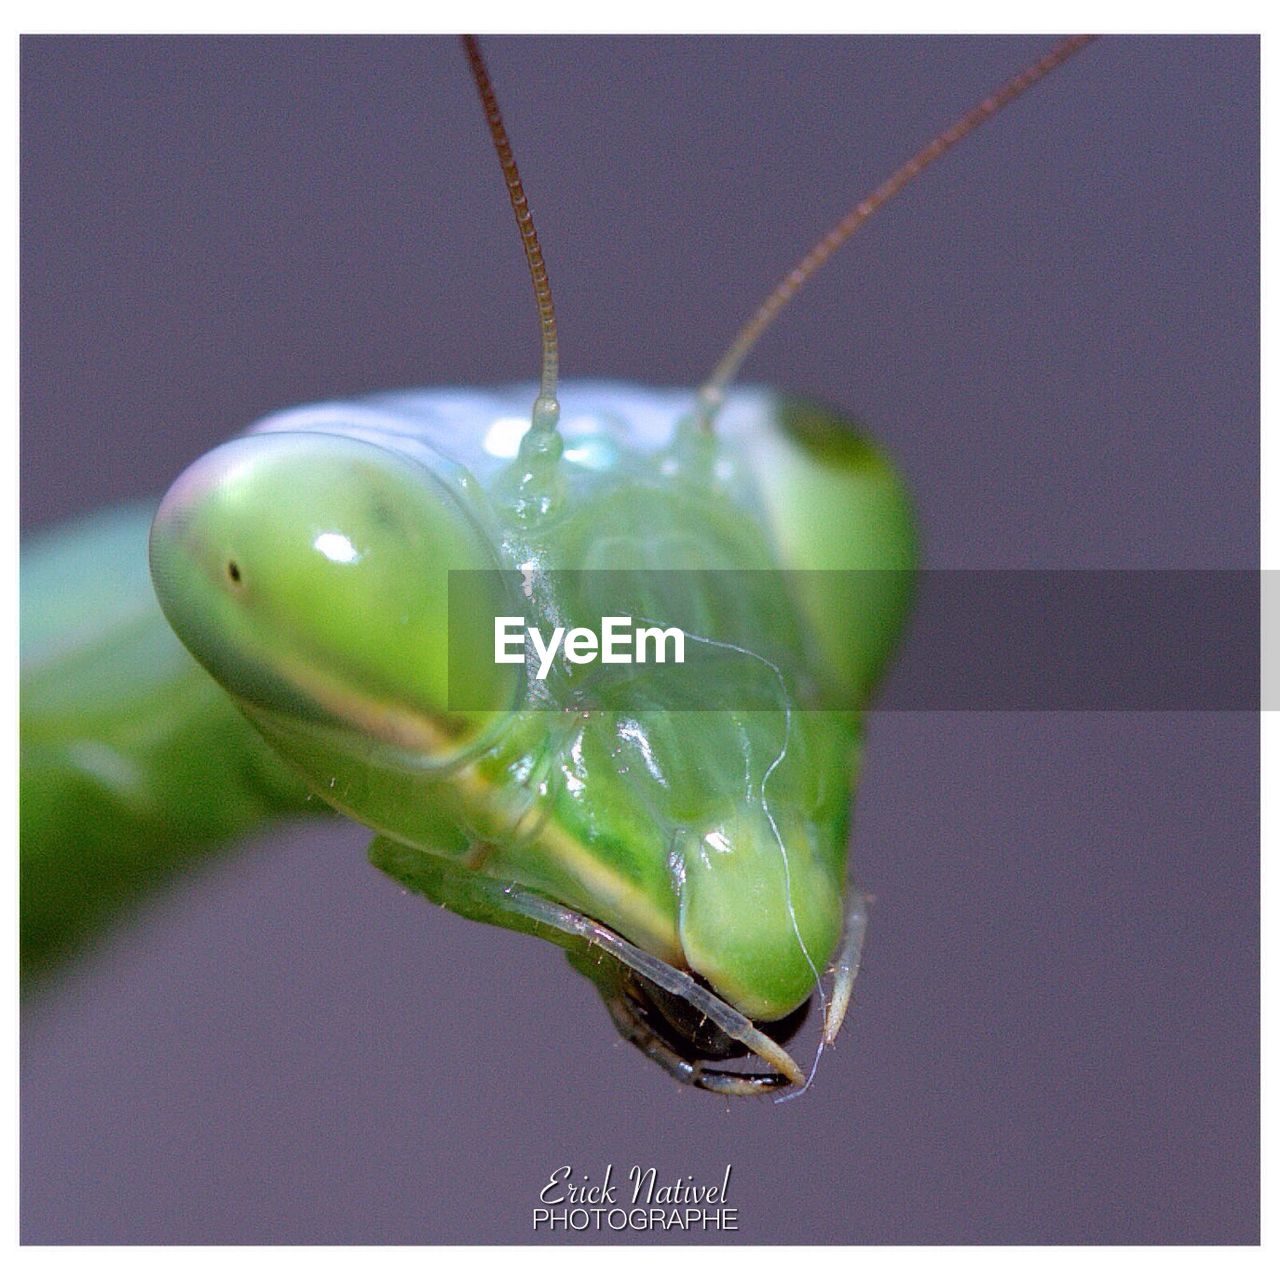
(690, 861)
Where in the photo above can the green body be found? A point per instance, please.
(307, 566)
(133, 761)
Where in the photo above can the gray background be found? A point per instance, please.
(1055, 332)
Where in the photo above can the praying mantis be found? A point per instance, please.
(706, 925)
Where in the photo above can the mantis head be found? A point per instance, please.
(306, 565)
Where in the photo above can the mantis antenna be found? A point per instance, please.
(711, 394)
(546, 408)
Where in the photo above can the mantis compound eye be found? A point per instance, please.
(309, 574)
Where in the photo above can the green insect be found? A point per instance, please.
(682, 836)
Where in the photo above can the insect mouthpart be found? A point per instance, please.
(683, 1041)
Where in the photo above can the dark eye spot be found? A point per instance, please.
(233, 571)
(383, 513)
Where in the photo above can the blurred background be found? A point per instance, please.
(1055, 333)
